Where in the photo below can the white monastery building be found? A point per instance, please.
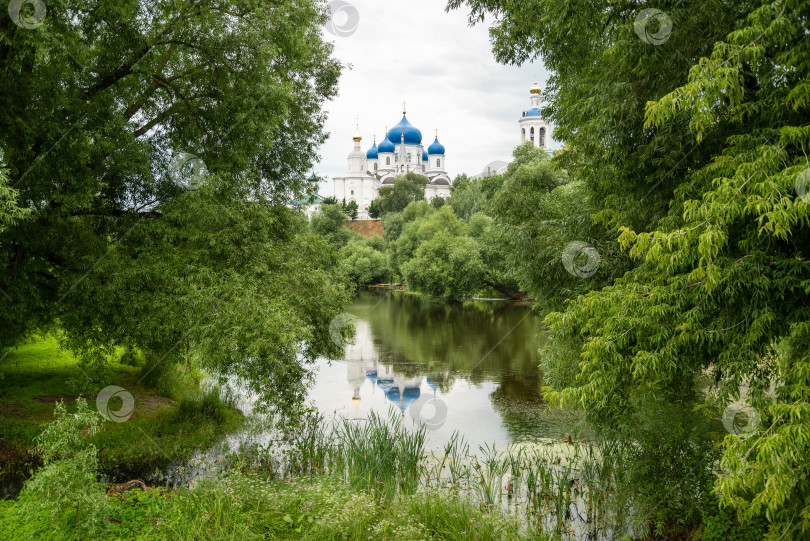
(401, 151)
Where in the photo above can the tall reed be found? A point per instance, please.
(561, 488)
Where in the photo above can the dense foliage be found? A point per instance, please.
(153, 148)
(466, 244)
(693, 149)
(539, 211)
(395, 197)
(366, 261)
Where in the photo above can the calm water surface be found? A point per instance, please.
(471, 368)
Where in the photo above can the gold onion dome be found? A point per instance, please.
(535, 90)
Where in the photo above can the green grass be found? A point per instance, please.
(161, 428)
(253, 506)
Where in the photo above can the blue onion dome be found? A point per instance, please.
(432, 384)
(436, 148)
(409, 395)
(392, 393)
(424, 155)
(372, 152)
(412, 135)
(534, 111)
(372, 375)
(385, 145)
(403, 399)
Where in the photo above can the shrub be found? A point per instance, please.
(209, 404)
(64, 493)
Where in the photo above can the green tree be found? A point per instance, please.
(134, 136)
(365, 262)
(457, 271)
(538, 214)
(406, 189)
(392, 226)
(218, 286)
(445, 265)
(402, 247)
(466, 197)
(351, 210)
(65, 489)
(491, 185)
(720, 238)
(328, 223)
(374, 210)
(496, 255)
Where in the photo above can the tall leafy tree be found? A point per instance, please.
(365, 261)
(328, 223)
(721, 287)
(602, 75)
(120, 120)
(351, 210)
(406, 189)
(436, 257)
(466, 197)
(541, 215)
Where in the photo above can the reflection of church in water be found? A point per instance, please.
(363, 364)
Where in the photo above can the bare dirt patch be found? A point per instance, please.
(13, 410)
(148, 404)
(367, 228)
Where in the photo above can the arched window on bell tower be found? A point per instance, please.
(531, 134)
(542, 137)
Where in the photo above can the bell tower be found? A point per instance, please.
(533, 127)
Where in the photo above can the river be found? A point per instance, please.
(471, 368)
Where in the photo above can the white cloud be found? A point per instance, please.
(413, 51)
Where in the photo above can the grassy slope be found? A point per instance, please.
(37, 374)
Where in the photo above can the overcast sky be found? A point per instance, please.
(412, 51)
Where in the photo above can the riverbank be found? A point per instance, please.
(169, 420)
(252, 505)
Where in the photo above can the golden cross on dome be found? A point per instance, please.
(357, 122)
(403, 107)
